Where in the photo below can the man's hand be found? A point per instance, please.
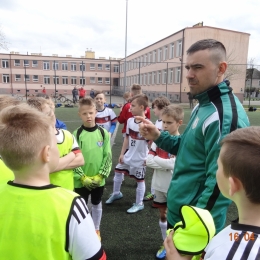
(171, 251)
(97, 179)
(87, 182)
(147, 129)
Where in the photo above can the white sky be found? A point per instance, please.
(69, 27)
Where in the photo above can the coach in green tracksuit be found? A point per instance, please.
(217, 114)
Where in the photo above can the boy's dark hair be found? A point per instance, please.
(217, 48)
(240, 159)
(161, 102)
(136, 89)
(87, 101)
(99, 92)
(141, 100)
(174, 111)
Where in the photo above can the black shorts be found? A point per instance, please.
(96, 194)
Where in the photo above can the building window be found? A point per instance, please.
(64, 66)
(5, 63)
(46, 79)
(179, 48)
(141, 79)
(159, 55)
(99, 66)
(26, 77)
(100, 80)
(149, 78)
(92, 80)
(145, 59)
(35, 78)
(82, 67)
(107, 80)
(107, 66)
(26, 63)
(172, 51)
(82, 81)
(56, 80)
(154, 56)
(55, 65)
(46, 65)
(141, 61)
(17, 63)
(177, 74)
(154, 78)
(165, 53)
(35, 63)
(116, 68)
(17, 77)
(73, 67)
(164, 76)
(73, 80)
(145, 79)
(92, 66)
(170, 76)
(150, 58)
(65, 80)
(159, 77)
(6, 78)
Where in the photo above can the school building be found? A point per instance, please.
(159, 67)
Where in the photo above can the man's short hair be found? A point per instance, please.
(6, 101)
(240, 159)
(217, 48)
(174, 111)
(23, 133)
(161, 102)
(86, 102)
(141, 100)
(136, 89)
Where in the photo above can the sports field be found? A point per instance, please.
(132, 236)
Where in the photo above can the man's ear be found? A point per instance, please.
(222, 68)
(46, 154)
(235, 185)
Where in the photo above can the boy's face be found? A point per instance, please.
(87, 115)
(100, 100)
(170, 124)
(136, 109)
(157, 111)
(222, 180)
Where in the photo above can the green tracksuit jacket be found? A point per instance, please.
(218, 113)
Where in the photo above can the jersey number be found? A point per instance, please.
(132, 142)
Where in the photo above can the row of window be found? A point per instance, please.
(64, 65)
(155, 77)
(64, 79)
(158, 55)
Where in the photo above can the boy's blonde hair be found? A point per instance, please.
(161, 102)
(99, 92)
(6, 101)
(141, 100)
(38, 102)
(127, 95)
(87, 101)
(136, 89)
(24, 132)
(174, 111)
(240, 159)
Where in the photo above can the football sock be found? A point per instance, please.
(117, 183)
(140, 190)
(163, 227)
(97, 214)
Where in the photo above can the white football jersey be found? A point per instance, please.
(158, 124)
(105, 117)
(138, 145)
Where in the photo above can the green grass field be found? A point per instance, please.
(132, 236)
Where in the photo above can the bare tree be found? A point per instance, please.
(3, 42)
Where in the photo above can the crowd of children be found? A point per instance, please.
(52, 182)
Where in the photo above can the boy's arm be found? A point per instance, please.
(65, 161)
(165, 163)
(124, 147)
(113, 122)
(150, 158)
(83, 242)
(77, 161)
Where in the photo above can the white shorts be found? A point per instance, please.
(134, 172)
(159, 199)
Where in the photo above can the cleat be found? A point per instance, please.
(135, 208)
(161, 253)
(112, 198)
(148, 197)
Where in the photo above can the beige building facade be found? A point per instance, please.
(159, 67)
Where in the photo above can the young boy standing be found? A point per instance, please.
(105, 116)
(163, 163)
(238, 179)
(43, 221)
(94, 143)
(157, 106)
(133, 156)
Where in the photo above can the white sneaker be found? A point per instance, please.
(135, 208)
